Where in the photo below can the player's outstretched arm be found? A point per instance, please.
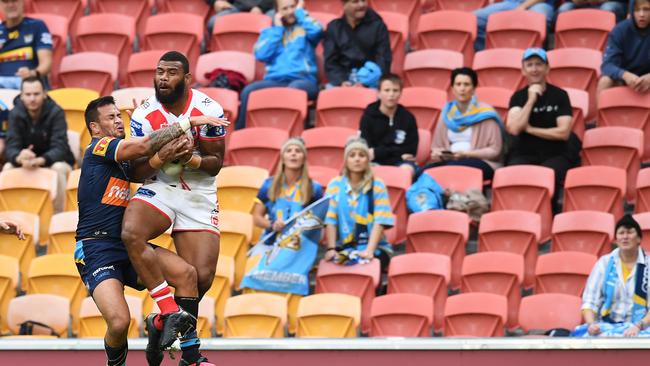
(148, 145)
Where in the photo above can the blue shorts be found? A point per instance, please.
(100, 259)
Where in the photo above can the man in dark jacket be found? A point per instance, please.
(37, 135)
(351, 41)
(626, 60)
(389, 128)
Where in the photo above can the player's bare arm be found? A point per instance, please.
(212, 153)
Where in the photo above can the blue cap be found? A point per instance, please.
(535, 52)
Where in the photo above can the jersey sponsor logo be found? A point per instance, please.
(136, 129)
(145, 192)
(117, 192)
(19, 54)
(100, 269)
(102, 146)
(28, 38)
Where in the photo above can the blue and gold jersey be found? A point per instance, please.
(18, 45)
(103, 191)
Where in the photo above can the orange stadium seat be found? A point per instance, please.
(182, 32)
(237, 187)
(424, 146)
(401, 315)
(424, 274)
(255, 316)
(577, 68)
(622, 106)
(124, 99)
(528, 188)
(515, 232)
(141, 68)
(74, 102)
(439, 231)
(398, 32)
(238, 32)
(236, 232)
(69, 9)
(580, 106)
(359, 280)
(563, 272)
(499, 67)
(411, 9)
(197, 7)
(322, 174)
(583, 231)
(324, 19)
(58, 27)
(431, 68)
(9, 277)
(643, 191)
(452, 30)
(549, 311)
(397, 182)
(425, 104)
(643, 219)
(476, 314)
(498, 98)
(51, 310)
(515, 29)
(96, 71)
(22, 250)
(329, 316)
(292, 300)
(258, 147)
(596, 188)
(325, 145)
(343, 107)
(63, 228)
(465, 5)
(71, 190)
(585, 28)
(457, 178)
(264, 109)
(325, 6)
(498, 273)
(140, 10)
(229, 101)
(221, 288)
(619, 147)
(93, 325)
(230, 60)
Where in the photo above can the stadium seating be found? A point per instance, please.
(324, 18)
(9, 277)
(585, 28)
(644, 221)
(71, 190)
(146, 301)
(583, 231)
(516, 29)
(465, 5)
(457, 178)
(329, 316)
(221, 288)
(125, 99)
(597, 188)
(238, 32)
(141, 68)
(292, 300)
(476, 314)
(325, 145)
(206, 319)
(255, 316)
(452, 30)
(580, 106)
(577, 68)
(140, 10)
(563, 272)
(499, 67)
(93, 325)
(549, 311)
(397, 182)
(431, 68)
(411, 9)
(497, 97)
(237, 187)
(96, 71)
(343, 107)
(74, 102)
(398, 33)
(322, 174)
(401, 315)
(196, 7)
(51, 310)
(442, 232)
(424, 274)
(230, 60)
(22, 250)
(498, 273)
(236, 231)
(258, 147)
(516, 232)
(74, 141)
(63, 227)
(643, 191)
(229, 101)
(265, 110)
(7, 97)
(58, 26)
(425, 104)
(69, 9)
(182, 32)
(424, 146)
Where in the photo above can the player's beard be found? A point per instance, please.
(174, 96)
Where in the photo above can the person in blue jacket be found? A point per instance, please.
(287, 49)
(626, 60)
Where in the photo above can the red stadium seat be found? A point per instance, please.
(476, 314)
(498, 98)
(528, 188)
(577, 68)
(409, 8)
(141, 68)
(334, 7)
(398, 32)
(258, 147)
(580, 105)
(229, 100)
(229, 60)
(343, 107)
(140, 10)
(563, 272)
(424, 146)
(442, 232)
(238, 32)
(516, 29)
(91, 70)
(323, 18)
(515, 232)
(425, 104)
(499, 67)
(596, 188)
(498, 273)
(69, 9)
(457, 178)
(401, 315)
(465, 5)
(624, 107)
(325, 145)
(619, 147)
(643, 191)
(263, 109)
(424, 274)
(549, 311)
(58, 27)
(584, 28)
(322, 174)
(359, 280)
(452, 30)
(583, 231)
(431, 68)
(182, 32)
(196, 7)
(397, 182)
(643, 219)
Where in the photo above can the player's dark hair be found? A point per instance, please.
(467, 71)
(393, 78)
(92, 114)
(176, 56)
(32, 79)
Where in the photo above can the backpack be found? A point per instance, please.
(226, 79)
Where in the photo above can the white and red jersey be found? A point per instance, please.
(152, 115)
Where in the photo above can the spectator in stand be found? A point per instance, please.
(615, 299)
(25, 46)
(469, 132)
(626, 60)
(225, 7)
(540, 116)
(359, 211)
(37, 135)
(357, 47)
(538, 6)
(618, 7)
(389, 128)
(287, 49)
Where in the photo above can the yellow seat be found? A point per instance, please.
(29, 190)
(237, 187)
(23, 250)
(74, 102)
(146, 301)
(63, 228)
(205, 321)
(124, 101)
(236, 229)
(329, 315)
(56, 274)
(71, 188)
(93, 325)
(74, 141)
(221, 287)
(9, 272)
(51, 310)
(255, 316)
(165, 240)
(292, 306)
